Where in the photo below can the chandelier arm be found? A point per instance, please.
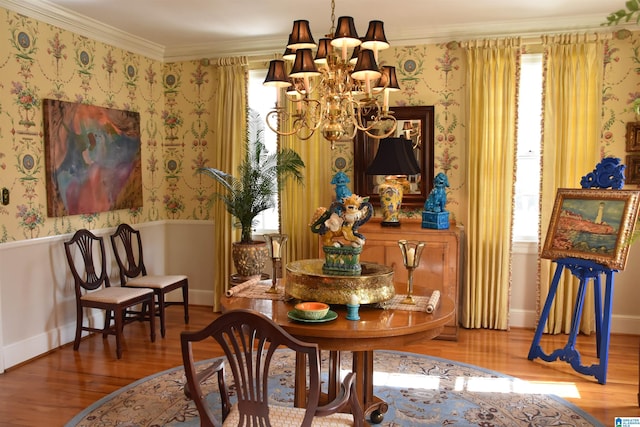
(282, 116)
(382, 136)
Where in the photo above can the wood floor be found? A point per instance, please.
(50, 390)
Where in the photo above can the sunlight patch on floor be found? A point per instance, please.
(509, 385)
(478, 384)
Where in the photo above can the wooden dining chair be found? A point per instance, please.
(133, 273)
(93, 290)
(249, 340)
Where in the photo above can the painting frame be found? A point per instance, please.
(93, 158)
(592, 224)
(632, 169)
(633, 136)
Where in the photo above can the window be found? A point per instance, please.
(262, 99)
(526, 211)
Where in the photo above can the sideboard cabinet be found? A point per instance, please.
(441, 264)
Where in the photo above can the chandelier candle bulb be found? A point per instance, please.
(432, 304)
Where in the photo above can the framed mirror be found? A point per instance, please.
(415, 123)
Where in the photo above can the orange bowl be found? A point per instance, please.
(312, 310)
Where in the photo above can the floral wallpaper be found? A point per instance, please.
(435, 75)
(175, 102)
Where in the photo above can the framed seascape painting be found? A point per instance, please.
(92, 158)
(592, 224)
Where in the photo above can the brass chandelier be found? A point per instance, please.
(333, 91)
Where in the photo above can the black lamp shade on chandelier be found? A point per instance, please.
(366, 66)
(375, 38)
(301, 37)
(330, 90)
(276, 76)
(303, 65)
(346, 34)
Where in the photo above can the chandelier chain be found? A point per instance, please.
(333, 17)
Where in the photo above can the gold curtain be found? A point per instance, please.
(298, 204)
(230, 121)
(573, 69)
(492, 88)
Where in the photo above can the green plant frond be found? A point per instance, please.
(261, 175)
(219, 176)
(632, 9)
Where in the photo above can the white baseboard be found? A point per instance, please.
(620, 324)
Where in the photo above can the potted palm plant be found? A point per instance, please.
(261, 176)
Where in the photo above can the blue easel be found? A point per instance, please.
(609, 173)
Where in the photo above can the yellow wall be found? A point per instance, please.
(175, 102)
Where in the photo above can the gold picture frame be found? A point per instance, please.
(592, 224)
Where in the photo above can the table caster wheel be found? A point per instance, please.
(376, 417)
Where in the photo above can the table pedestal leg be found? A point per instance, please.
(373, 407)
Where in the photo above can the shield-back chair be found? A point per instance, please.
(133, 273)
(249, 340)
(93, 290)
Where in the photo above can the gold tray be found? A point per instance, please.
(307, 282)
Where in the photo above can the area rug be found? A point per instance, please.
(420, 390)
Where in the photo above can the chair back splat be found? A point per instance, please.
(249, 340)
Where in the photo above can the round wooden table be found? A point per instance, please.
(377, 329)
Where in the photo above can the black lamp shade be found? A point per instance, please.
(303, 65)
(301, 37)
(276, 76)
(388, 79)
(394, 157)
(375, 38)
(324, 48)
(346, 34)
(366, 66)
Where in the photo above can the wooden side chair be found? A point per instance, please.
(133, 273)
(93, 290)
(249, 340)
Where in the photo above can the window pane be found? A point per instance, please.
(262, 99)
(525, 216)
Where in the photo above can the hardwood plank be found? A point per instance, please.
(51, 389)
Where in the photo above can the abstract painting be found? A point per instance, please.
(592, 224)
(92, 158)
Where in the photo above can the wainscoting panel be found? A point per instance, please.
(37, 303)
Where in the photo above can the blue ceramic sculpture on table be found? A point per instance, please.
(434, 215)
(338, 226)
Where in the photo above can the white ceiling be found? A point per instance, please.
(186, 29)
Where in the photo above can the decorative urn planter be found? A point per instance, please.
(249, 258)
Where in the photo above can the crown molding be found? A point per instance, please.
(49, 13)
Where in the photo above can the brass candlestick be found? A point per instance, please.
(411, 251)
(275, 243)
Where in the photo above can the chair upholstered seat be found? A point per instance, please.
(287, 416)
(114, 295)
(159, 282)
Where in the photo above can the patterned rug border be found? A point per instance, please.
(78, 417)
